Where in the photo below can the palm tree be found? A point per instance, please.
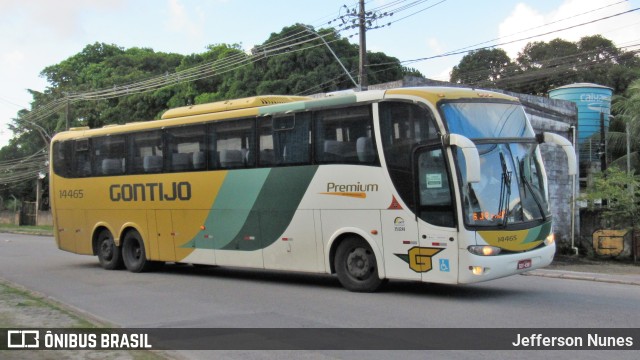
(627, 110)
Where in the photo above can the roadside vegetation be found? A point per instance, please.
(22, 309)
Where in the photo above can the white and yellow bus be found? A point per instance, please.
(442, 185)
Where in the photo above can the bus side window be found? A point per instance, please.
(109, 155)
(337, 132)
(62, 158)
(291, 138)
(231, 144)
(184, 143)
(266, 155)
(145, 152)
(82, 158)
(404, 125)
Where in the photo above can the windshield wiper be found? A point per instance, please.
(505, 191)
(533, 193)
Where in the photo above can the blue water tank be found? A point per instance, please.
(592, 100)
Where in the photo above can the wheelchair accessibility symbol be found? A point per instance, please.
(444, 265)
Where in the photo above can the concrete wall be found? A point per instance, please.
(11, 218)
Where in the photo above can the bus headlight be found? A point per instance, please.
(477, 270)
(484, 250)
(551, 238)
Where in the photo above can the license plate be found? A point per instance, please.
(524, 264)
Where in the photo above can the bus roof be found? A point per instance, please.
(438, 93)
(228, 105)
(273, 104)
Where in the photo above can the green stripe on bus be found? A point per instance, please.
(538, 233)
(274, 208)
(231, 208)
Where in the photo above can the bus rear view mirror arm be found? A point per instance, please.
(470, 152)
(551, 138)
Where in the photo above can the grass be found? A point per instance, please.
(21, 308)
(26, 229)
(14, 301)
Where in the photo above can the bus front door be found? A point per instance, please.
(437, 256)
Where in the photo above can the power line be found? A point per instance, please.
(513, 41)
(221, 66)
(199, 72)
(540, 26)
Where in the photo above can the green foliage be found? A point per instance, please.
(483, 68)
(542, 66)
(306, 67)
(620, 194)
(626, 108)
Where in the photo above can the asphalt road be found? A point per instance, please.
(184, 296)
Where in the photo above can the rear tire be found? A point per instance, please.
(109, 255)
(134, 254)
(356, 266)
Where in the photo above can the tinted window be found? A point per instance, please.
(231, 144)
(285, 140)
(62, 151)
(345, 136)
(186, 148)
(403, 126)
(266, 156)
(145, 149)
(81, 158)
(436, 206)
(109, 155)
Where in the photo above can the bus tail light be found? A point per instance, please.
(484, 250)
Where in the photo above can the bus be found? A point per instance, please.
(432, 184)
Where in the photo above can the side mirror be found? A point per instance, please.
(566, 145)
(470, 152)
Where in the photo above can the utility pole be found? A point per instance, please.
(363, 48)
(603, 144)
(66, 113)
(363, 21)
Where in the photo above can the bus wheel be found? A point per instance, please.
(109, 254)
(356, 266)
(133, 253)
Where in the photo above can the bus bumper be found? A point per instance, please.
(474, 268)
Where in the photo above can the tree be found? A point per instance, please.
(627, 118)
(547, 65)
(102, 66)
(542, 66)
(619, 191)
(483, 68)
(304, 66)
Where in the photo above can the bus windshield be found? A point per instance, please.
(512, 188)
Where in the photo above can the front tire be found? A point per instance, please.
(109, 255)
(356, 266)
(134, 254)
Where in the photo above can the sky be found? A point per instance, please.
(40, 33)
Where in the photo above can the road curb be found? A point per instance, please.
(575, 275)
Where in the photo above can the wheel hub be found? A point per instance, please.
(358, 263)
(106, 250)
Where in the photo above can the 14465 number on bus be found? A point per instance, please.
(71, 194)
